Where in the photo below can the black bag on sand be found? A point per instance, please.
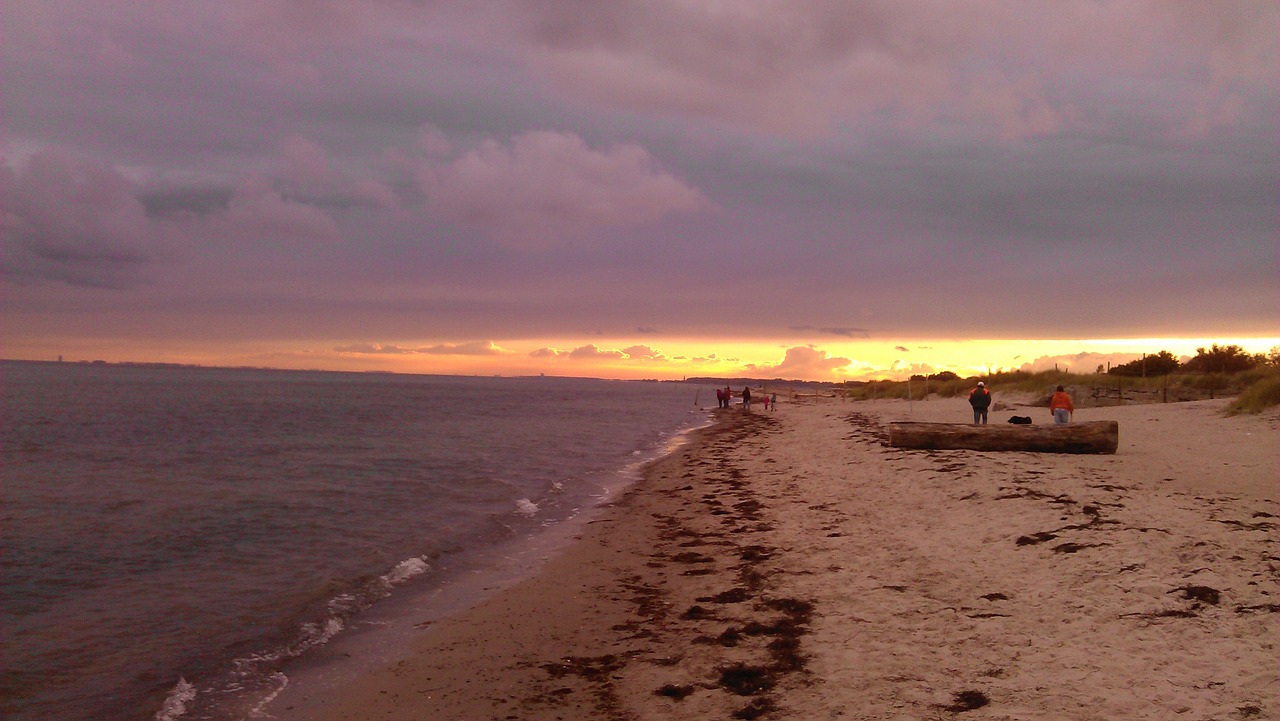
(1020, 420)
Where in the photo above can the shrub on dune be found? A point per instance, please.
(1258, 397)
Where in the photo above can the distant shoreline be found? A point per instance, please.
(192, 366)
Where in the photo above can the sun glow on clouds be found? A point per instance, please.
(477, 348)
(673, 359)
(682, 358)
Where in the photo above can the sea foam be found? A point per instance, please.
(406, 570)
(176, 704)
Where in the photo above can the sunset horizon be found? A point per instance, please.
(614, 360)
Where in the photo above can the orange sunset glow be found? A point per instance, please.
(629, 360)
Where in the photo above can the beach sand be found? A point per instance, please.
(791, 565)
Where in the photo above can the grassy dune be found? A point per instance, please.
(1256, 390)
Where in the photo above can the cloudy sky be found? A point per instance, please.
(654, 189)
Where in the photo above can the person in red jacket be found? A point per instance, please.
(1060, 406)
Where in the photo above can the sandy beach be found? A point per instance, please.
(791, 565)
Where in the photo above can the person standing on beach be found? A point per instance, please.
(1061, 407)
(719, 398)
(980, 399)
(773, 402)
(746, 398)
(766, 401)
(728, 397)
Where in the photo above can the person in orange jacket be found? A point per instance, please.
(1060, 406)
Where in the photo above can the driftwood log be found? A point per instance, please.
(1087, 437)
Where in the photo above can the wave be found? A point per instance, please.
(176, 704)
(405, 570)
(258, 674)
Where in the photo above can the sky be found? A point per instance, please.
(822, 190)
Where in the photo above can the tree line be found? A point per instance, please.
(1226, 360)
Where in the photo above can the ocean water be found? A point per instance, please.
(172, 539)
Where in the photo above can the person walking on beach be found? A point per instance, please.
(728, 397)
(766, 401)
(773, 402)
(746, 398)
(980, 399)
(719, 398)
(1061, 407)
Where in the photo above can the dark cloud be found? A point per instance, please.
(846, 332)
(183, 200)
(77, 222)
(839, 331)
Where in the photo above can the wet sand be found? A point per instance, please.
(791, 565)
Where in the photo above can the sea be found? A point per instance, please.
(176, 542)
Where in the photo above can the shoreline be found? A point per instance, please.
(382, 633)
(790, 565)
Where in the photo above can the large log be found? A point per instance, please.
(1087, 437)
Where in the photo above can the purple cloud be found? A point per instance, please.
(795, 68)
(73, 221)
(548, 187)
(847, 332)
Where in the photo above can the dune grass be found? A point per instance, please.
(1263, 394)
(1257, 388)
